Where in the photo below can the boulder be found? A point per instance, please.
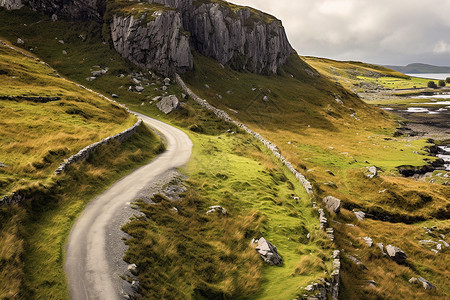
(425, 283)
(268, 252)
(217, 209)
(332, 204)
(166, 81)
(168, 104)
(360, 215)
(20, 41)
(368, 241)
(132, 268)
(381, 247)
(139, 88)
(373, 172)
(396, 254)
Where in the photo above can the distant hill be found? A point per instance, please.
(418, 68)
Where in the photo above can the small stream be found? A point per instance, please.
(445, 156)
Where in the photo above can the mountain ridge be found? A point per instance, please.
(419, 68)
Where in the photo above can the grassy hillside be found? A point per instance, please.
(333, 143)
(359, 77)
(36, 138)
(327, 132)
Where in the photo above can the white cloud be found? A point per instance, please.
(441, 47)
(382, 31)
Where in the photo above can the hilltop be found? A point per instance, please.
(418, 68)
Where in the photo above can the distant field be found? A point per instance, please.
(37, 137)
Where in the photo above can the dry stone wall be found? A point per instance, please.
(329, 287)
(85, 152)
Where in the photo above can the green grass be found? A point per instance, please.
(233, 172)
(35, 267)
(38, 136)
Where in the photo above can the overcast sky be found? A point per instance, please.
(395, 32)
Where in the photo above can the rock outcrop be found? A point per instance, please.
(425, 283)
(244, 38)
(71, 9)
(11, 4)
(161, 37)
(160, 44)
(268, 252)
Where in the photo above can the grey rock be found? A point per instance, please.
(368, 241)
(435, 251)
(2, 165)
(160, 44)
(373, 172)
(360, 215)
(114, 96)
(20, 41)
(139, 88)
(439, 247)
(372, 283)
(268, 252)
(446, 245)
(381, 247)
(184, 96)
(332, 204)
(266, 98)
(97, 73)
(132, 268)
(166, 81)
(217, 209)
(425, 283)
(396, 254)
(168, 104)
(54, 18)
(11, 4)
(91, 78)
(61, 41)
(64, 52)
(157, 98)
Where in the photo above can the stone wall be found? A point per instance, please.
(85, 152)
(329, 287)
(269, 145)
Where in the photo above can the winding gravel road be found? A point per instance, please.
(94, 250)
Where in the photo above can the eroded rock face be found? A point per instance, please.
(71, 9)
(242, 38)
(160, 44)
(11, 4)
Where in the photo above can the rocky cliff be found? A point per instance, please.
(160, 44)
(159, 34)
(11, 4)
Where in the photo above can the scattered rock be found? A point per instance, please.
(114, 96)
(132, 268)
(435, 251)
(54, 18)
(166, 81)
(174, 209)
(2, 165)
(368, 241)
(20, 41)
(164, 88)
(265, 98)
(64, 52)
(446, 245)
(90, 78)
(207, 86)
(323, 219)
(360, 215)
(425, 283)
(217, 209)
(381, 247)
(396, 254)
(439, 247)
(371, 283)
(139, 88)
(332, 204)
(97, 73)
(61, 41)
(268, 252)
(330, 233)
(357, 262)
(184, 96)
(373, 172)
(168, 104)
(135, 284)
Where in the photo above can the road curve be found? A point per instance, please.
(88, 265)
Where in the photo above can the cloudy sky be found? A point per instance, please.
(395, 32)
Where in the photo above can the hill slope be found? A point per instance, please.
(418, 68)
